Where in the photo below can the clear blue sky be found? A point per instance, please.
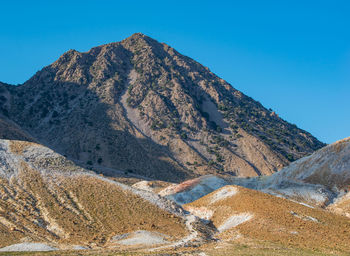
(292, 56)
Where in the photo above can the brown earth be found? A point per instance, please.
(278, 220)
(52, 201)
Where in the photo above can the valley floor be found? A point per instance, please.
(213, 249)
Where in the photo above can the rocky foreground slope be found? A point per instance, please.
(249, 217)
(141, 107)
(46, 201)
(49, 203)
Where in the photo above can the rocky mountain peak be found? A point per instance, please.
(137, 37)
(141, 107)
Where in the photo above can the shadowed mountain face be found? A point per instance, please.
(141, 107)
(8, 129)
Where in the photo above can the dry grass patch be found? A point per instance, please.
(17, 147)
(76, 209)
(279, 221)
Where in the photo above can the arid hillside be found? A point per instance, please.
(329, 166)
(245, 216)
(320, 180)
(140, 107)
(47, 201)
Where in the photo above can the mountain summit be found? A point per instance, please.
(140, 107)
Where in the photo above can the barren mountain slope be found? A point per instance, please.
(45, 198)
(142, 107)
(249, 216)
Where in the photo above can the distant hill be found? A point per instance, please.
(319, 180)
(322, 178)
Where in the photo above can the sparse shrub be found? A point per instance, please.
(130, 88)
(221, 170)
(290, 157)
(211, 163)
(183, 135)
(154, 125)
(219, 158)
(222, 107)
(55, 114)
(129, 101)
(209, 150)
(5, 112)
(2, 98)
(224, 143)
(205, 115)
(44, 112)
